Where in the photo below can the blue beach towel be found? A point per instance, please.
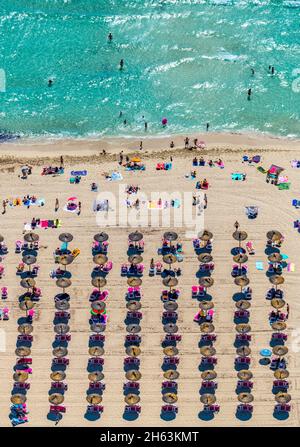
(78, 173)
(259, 265)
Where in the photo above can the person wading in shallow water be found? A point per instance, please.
(249, 94)
(121, 64)
(110, 37)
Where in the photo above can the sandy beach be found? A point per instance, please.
(226, 202)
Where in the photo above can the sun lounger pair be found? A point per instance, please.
(79, 173)
(251, 212)
(163, 166)
(238, 176)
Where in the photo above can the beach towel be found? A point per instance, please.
(78, 173)
(291, 267)
(176, 203)
(295, 164)
(296, 203)
(283, 186)
(259, 265)
(115, 176)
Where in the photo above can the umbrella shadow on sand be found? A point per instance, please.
(130, 416)
(167, 416)
(92, 417)
(270, 250)
(243, 415)
(206, 415)
(281, 415)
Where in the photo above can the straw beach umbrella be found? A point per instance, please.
(209, 374)
(136, 236)
(206, 281)
(277, 303)
(63, 283)
(133, 305)
(280, 350)
(276, 280)
(65, 237)
(96, 351)
(28, 283)
(170, 398)
(240, 236)
(99, 283)
(283, 398)
(243, 304)
(243, 351)
(208, 399)
(170, 236)
(170, 306)
(31, 237)
(274, 235)
(206, 305)
(98, 327)
(22, 351)
(133, 375)
(169, 281)
(56, 399)
(244, 374)
(96, 376)
(132, 399)
(240, 258)
(134, 282)
(20, 376)
(26, 305)
(58, 376)
(205, 235)
(242, 328)
(205, 257)
(62, 305)
(245, 398)
(61, 328)
(171, 351)
(207, 351)
(133, 351)
(279, 326)
(100, 259)
(94, 399)
(171, 374)
(101, 237)
(133, 328)
(275, 258)
(25, 328)
(60, 351)
(135, 259)
(207, 328)
(281, 374)
(18, 399)
(170, 328)
(241, 281)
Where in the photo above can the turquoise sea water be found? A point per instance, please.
(187, 60)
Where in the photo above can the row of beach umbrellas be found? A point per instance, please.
(23, 351)
(276, 257)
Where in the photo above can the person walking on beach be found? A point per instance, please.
(207, 127)
(186, 142)
(146, 126)
(79, 208)
(121, 158)
(236, 225)
(4, 206)
(61, 161)
(141, 146)
(249, 94)
(56, 205)
(205, 201)
(121, 64)
(172, 144)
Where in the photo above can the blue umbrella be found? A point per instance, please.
(266, 352)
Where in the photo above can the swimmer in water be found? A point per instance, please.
(249, 94)
(50, 82)
(121, 64)
(110, 37)
(252, 71)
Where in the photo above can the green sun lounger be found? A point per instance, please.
(262, 170)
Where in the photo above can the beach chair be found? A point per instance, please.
(245, 384)
(133, 339)
(97, 386)
(135, 386)
(134, 315)
(95, 409)
(132, 409)
(96, 361)
(171, 361)
(63, 337)
(208, 337)
(21, 386)
(245, 408)
(241, 314)
(284, 384)
(279, 336)
(24, 361)
(169, 384)
(25, 338)
(243, 337)
(57, 409)
(211, 408)
(59, 386)
(242, 361)
(61, 361)
(169, 409)
(4, 293)
(209, 385)
(97, 337)
(132, 361)
(282, 408)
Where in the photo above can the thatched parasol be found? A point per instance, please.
(135, 259)
(170, 281)
(134, 282)
(31, 237)
(245, 398)
(132, 399)
(65, 237)
(171, 374)
(100, 259)
(56, 399)
(133, 351)
(170, 236)
(208, 399)
(133, 375)
(205, 257)
(280, 350)
(135, 236)
(101, 237)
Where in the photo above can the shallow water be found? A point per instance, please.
(187, 60)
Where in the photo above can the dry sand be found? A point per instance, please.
(226, 202)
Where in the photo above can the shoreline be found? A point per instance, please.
(39, 150)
